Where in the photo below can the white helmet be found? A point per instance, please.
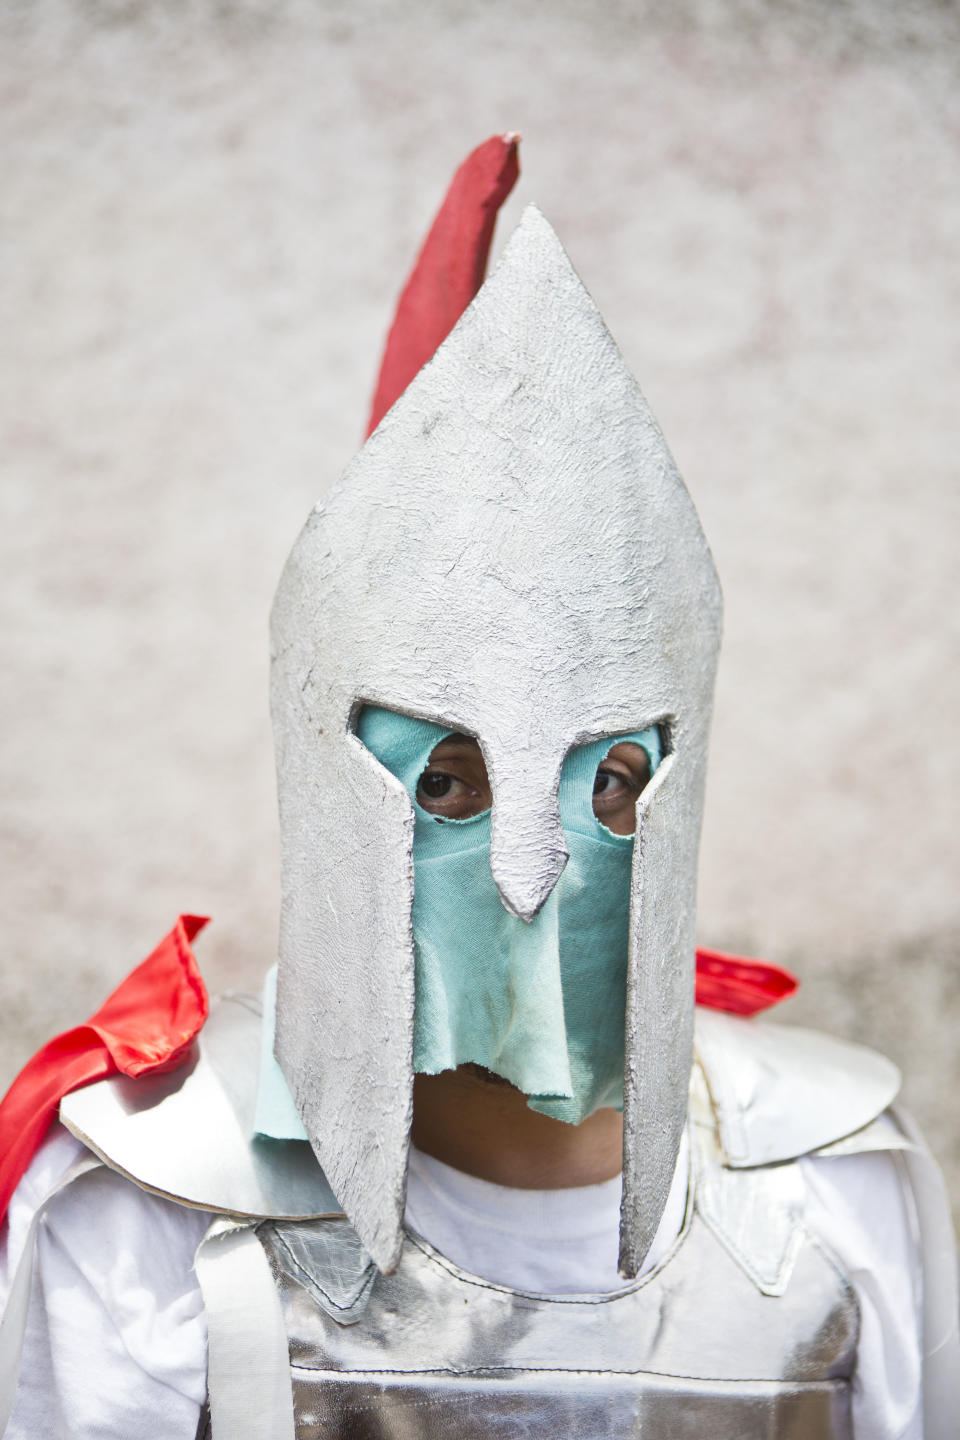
(513, 555)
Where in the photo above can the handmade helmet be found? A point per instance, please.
(512, 555)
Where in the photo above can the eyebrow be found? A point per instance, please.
(458, 742)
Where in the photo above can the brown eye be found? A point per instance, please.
(607, 782)
(617, 784)
(435, 785)
(443, 792)
(454, 786)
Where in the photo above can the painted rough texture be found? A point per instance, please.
(528, 626)
(207, 214)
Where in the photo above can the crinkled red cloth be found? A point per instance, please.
(449, 269)
(147, 1025)
(742, 986)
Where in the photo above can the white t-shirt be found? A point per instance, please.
(116, 1340)
(553, 1242)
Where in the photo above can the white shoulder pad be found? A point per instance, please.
(189, 1134)
(779, 1092)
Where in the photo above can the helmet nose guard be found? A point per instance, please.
(527, 850)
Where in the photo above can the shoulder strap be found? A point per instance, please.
(754, 1213)
(938, 1258)
(249, 1389)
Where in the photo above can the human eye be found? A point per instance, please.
(454, 784)
(441, 785)
(619, 780)
(610, 783)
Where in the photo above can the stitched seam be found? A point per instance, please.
(742, 1258)
(831, 1382)
(311, 1282)
(479, 1283)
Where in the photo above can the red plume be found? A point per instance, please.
(449, 269)
(745, 987)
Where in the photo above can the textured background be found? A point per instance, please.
(207, 211)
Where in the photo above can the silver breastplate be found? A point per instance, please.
(745, 1331)
(694, 1348)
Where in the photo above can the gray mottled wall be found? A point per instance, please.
(207, 210)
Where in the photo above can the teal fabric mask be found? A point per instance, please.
(541, 1004)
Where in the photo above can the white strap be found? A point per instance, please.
(941, 1340)
(248, 1367)
(14, 1324)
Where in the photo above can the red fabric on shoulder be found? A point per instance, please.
(449, 269)
(745, 987)
(147, 1025)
